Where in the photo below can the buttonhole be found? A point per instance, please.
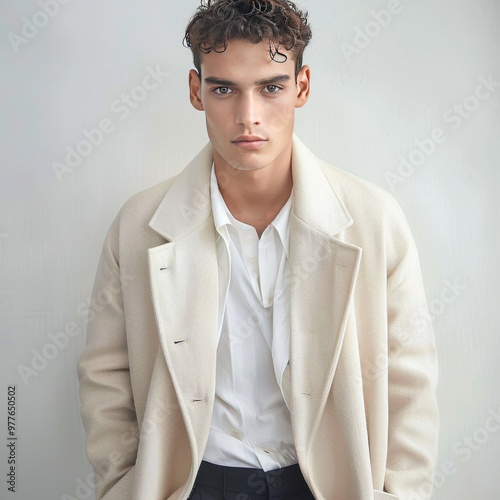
(306, 393)
(341, 265)
(197, 400)
(179, 341)
(163, 268)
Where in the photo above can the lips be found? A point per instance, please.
(249, 141)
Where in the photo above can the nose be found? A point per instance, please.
(248, 112)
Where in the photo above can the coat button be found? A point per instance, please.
(276, 482)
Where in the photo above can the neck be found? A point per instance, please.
(255, 196)
(254, 189)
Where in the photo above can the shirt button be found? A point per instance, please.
(248, 239)
(252, 258)
(276, 482)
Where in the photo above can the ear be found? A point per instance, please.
(195, 90)
(303, 86)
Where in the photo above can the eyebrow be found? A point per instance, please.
(265, 81)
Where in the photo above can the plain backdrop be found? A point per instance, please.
(404, 93)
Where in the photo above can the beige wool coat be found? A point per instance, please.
(362, 371)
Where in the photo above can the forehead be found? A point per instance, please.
(246, 60)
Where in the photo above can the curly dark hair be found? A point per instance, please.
(279, 22)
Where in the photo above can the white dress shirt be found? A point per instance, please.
(251, 424)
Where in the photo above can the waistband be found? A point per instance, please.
(278, 482)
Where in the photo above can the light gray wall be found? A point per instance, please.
(373, 98)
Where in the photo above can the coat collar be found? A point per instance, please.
(187, 203)
(324, 211)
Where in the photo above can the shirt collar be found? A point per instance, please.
(282, 224)
(219, 209)
(222, 215)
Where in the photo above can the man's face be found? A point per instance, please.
(249, 102)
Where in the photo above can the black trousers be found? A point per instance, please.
(216, 482)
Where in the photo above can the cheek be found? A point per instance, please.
(217, 123)
(281, 117)
(219, 137)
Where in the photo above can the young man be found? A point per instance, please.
(259, 338)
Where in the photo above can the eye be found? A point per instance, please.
(272, 89)
(222, 90)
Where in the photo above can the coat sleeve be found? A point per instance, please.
(412, 373)
(106, 399)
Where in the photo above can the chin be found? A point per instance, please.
(247, 167)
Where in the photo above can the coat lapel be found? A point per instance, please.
(184, 284)
(323, 272)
